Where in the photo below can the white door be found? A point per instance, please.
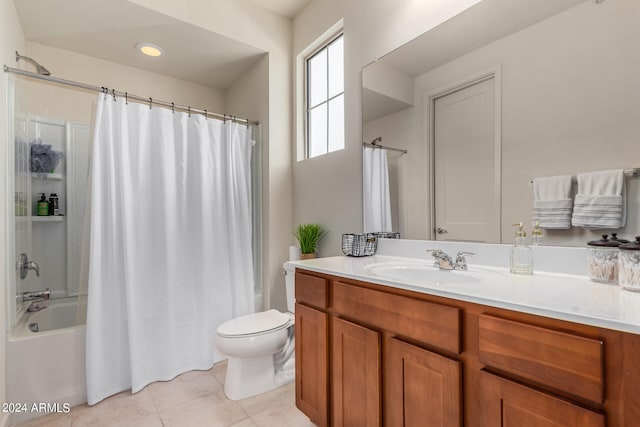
(467, 165)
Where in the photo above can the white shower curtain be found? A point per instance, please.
(170, 251)
(377, 201)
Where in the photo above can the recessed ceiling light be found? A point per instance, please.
(150, 49)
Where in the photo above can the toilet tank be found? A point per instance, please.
(289, 282)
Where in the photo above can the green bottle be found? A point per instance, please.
(43, 206)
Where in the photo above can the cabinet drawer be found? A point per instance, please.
(430, 323)
(556, 359)
(509, 404)
(311, 290)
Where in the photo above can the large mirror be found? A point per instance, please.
(535, 88)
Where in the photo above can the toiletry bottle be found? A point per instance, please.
(53, 204)
(521, 253)
(536, 234)
(43, 206)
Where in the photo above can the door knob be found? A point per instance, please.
(441, 230)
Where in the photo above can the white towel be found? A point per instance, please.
(552, 202)
(601, 200)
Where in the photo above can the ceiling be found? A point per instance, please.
(110, 29)
(286, 8)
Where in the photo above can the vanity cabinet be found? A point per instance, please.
(372, 355)
(375, 334)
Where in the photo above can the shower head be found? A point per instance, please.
(39, 68)
(376, 141)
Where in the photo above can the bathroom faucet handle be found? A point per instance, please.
(463, 253)
(461, 260)
(436, 252)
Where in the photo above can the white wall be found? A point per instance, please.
(328, 189)
(11, 39)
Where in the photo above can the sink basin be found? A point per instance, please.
(425, 273)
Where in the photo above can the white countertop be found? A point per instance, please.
(560, 296)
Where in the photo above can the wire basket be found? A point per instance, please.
(364, 244)
(359, 244)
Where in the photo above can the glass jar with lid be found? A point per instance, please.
(602, 260)
(615, 238)
(629, 265)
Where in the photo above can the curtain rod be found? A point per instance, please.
(366, 144)
(129, 96)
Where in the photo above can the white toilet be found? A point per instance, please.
(260, 348)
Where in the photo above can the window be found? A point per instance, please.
(324, 99)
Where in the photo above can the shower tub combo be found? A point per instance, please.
(47, 366)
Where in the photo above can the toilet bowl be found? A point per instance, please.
(260, 349)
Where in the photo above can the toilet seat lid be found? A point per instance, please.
(254, 323)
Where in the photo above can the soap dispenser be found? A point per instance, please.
(521, 253)
(536, 234)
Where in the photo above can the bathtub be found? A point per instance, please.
(46, 366)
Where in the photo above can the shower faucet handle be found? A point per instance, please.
(32, 265)
(24, 265)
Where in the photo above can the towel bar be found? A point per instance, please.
(631, 173)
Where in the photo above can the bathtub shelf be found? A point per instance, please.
(51, 176)
(58, 218)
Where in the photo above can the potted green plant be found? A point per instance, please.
(308, 236)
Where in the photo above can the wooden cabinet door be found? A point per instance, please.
(508, 404)
(355, 375)
(311, 345)
(422, 389)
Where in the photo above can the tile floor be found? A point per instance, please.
(192, 399)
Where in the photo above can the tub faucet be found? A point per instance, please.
(35, 295)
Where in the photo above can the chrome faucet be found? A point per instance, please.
(442, 260)
(445, 262)
(35, 295)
